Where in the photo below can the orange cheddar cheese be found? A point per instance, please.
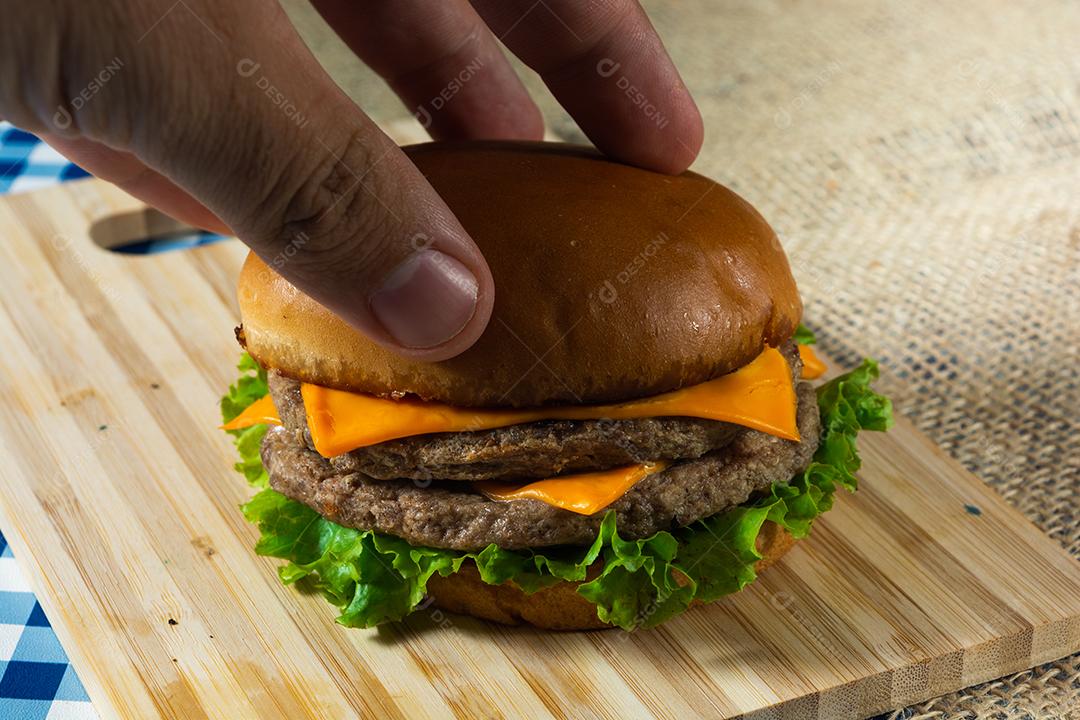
(582, 493)
(260, 412)
(812, 367)
(759, 395)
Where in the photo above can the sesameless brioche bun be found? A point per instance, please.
(612, 283)
(558, 607)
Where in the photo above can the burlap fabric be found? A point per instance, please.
(921, 162)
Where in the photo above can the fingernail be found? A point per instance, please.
(426, 300)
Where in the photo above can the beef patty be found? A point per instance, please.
(450, 515)
(530, 450)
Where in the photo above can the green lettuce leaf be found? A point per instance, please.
(804, 335)
(247, 389)
(374, 578)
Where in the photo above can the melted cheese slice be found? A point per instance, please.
(812, 367)
(759, 395)
(582, 493)
(260, 412)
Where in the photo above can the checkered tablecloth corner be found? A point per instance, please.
(36, 680)
(26, 163)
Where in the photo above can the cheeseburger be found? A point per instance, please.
(633, 435)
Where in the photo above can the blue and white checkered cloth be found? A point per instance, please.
(36, 680)
(26, 163)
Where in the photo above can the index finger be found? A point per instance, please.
(607, 66)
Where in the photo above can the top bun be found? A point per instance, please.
(611, 283)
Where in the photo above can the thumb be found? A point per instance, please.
(255, 131)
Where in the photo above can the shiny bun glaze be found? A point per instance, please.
(612, 283)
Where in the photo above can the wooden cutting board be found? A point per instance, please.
(118, 496)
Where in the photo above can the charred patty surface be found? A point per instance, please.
(451, 515)
(530, 450)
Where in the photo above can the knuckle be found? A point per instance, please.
(55, 92)
(335, 214)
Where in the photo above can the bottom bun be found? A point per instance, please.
(558, 607)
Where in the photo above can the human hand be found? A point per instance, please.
(217, 114)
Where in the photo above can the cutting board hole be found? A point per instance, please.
(147, 232)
